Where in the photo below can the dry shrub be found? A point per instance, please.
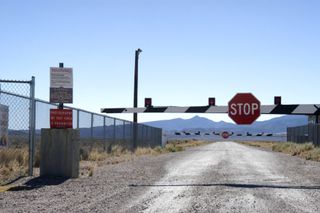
(37, 159)
(263, 144)
(120, 154)
(293, 148)
(96, 155)
(306, 147)
(173, 148)
(282, 147)
(15, 156)
(91, 169)
(315, 154)
(13, 163)
(307, 150)
(87, 168)
(182, 144)
(158, 150)
(4, 171)
(194, 143)
(148, 151)
(84, 154)
(119, 150)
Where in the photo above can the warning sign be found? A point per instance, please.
(61, 85)
(60, 118)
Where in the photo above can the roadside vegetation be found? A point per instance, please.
(261, 144)
(13, 163)
(14, 160)
(97, 157)
(306, 150)
(117, 151)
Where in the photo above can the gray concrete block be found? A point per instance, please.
(59, 153)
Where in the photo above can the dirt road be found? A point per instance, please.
(220, 177)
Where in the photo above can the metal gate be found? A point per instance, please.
(17, 129)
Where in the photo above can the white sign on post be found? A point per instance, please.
(4, 118)
(61, 85)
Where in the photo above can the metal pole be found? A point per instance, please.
(78, 119)
(109, 149)
(104, 133)
(316, 131)
(135, 97)
(91, 126)
(60, 104)
(114, 131)
(32, 124)
(133, 136)
(124, 131)
(318, 134)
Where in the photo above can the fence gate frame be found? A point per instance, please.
(310, 110)
(32, 117)
(275, 109)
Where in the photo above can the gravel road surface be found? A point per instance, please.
(219, 177)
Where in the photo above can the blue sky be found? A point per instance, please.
(192, 50)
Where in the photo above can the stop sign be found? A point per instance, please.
(244, 108)
(225, 134)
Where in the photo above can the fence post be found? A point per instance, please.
(114, 131)
(133, 135)
(124, 131)
(315, 136)
(32, 126)
(310, 132)
(141, 139)
(91, 132)
(314, 133)
(148, 136)
(318, 134)
(78, 119)
(104, 133)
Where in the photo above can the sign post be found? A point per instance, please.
(61, 91)
(60, 140)
(244, 108)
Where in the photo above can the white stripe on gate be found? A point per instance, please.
(174, 109)
(305, 108)
(133, 110)
(217, 109)
(266, 109)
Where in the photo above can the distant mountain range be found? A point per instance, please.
(274, 125)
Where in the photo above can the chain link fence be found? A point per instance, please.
(304, 134)
(22, 117)
(16, 129)
(100, 131)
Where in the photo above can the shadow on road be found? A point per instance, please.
(233, 185)
(39, 182)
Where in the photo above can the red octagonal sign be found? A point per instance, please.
(244, 108)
